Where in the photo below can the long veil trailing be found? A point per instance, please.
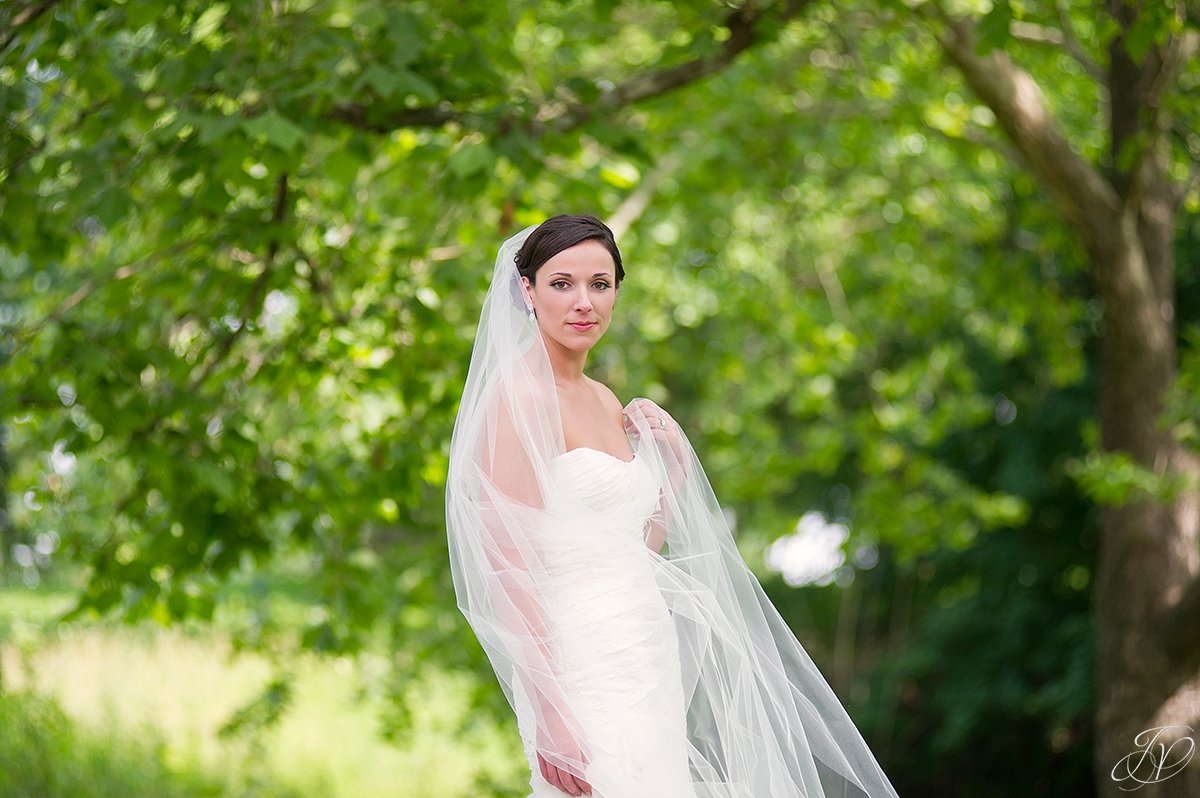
(761, 720)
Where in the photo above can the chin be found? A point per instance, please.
(574, 342)
(580, 345)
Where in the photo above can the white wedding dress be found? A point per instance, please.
(612, 630)
(656, 674)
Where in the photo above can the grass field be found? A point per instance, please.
(113, 710)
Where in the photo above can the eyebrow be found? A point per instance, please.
(597, 274)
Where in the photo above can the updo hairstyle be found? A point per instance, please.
(563, 232)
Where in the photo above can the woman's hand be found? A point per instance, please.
(554, 735)
(571, 785)
(662, 427)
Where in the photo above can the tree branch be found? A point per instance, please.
(1071, 41)
(356, 115)
(1177, 52)
(981, 138)
(742, 35)
(222, 348)
(321, 287)
(1086, 198)
(634, 205)
(1090, 203)
(1040, 34)
(23, 17)
(22, 336)
(254, 298)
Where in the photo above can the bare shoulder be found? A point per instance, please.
(611, 402)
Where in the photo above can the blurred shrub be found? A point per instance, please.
(43, 754)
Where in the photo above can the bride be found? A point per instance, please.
(592, 560)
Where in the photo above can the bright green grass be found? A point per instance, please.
(142, 708)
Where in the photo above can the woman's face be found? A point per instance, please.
(574, 295)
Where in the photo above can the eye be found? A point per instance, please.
(557, 283)
(600, 284)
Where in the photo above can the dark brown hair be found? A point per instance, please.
(563, 232)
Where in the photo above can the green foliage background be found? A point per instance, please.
(243, 248)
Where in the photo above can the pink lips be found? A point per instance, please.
(583, 326)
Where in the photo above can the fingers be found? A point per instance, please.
(647, 410)
(562, 779)
(581, 785)
(551, 776)
(654, 421)
(568, 783)
(571, 785)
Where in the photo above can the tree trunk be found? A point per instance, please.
(1149, 559)
(1147, 589)
(1148, 554)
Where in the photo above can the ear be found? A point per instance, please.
(528, 289)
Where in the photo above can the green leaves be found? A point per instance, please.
(1153, 24)
(470, 159)
(212, 129)
(994, 26)
(205, 28)
(398, 84)
(1114, 479)
(275, 129)
(838, 282)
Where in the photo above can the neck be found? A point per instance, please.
(567, 364)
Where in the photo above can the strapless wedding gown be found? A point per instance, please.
(614, 634)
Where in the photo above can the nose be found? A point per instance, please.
(582, 300)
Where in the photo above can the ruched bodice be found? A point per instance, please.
(622, 491)
(597, 507)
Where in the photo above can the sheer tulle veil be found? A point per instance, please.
(761, 720)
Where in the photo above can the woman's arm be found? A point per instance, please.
(668, 440)
(512, 502)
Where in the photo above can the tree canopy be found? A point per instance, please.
(243, 248)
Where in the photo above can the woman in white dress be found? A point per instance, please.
(590, 556)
